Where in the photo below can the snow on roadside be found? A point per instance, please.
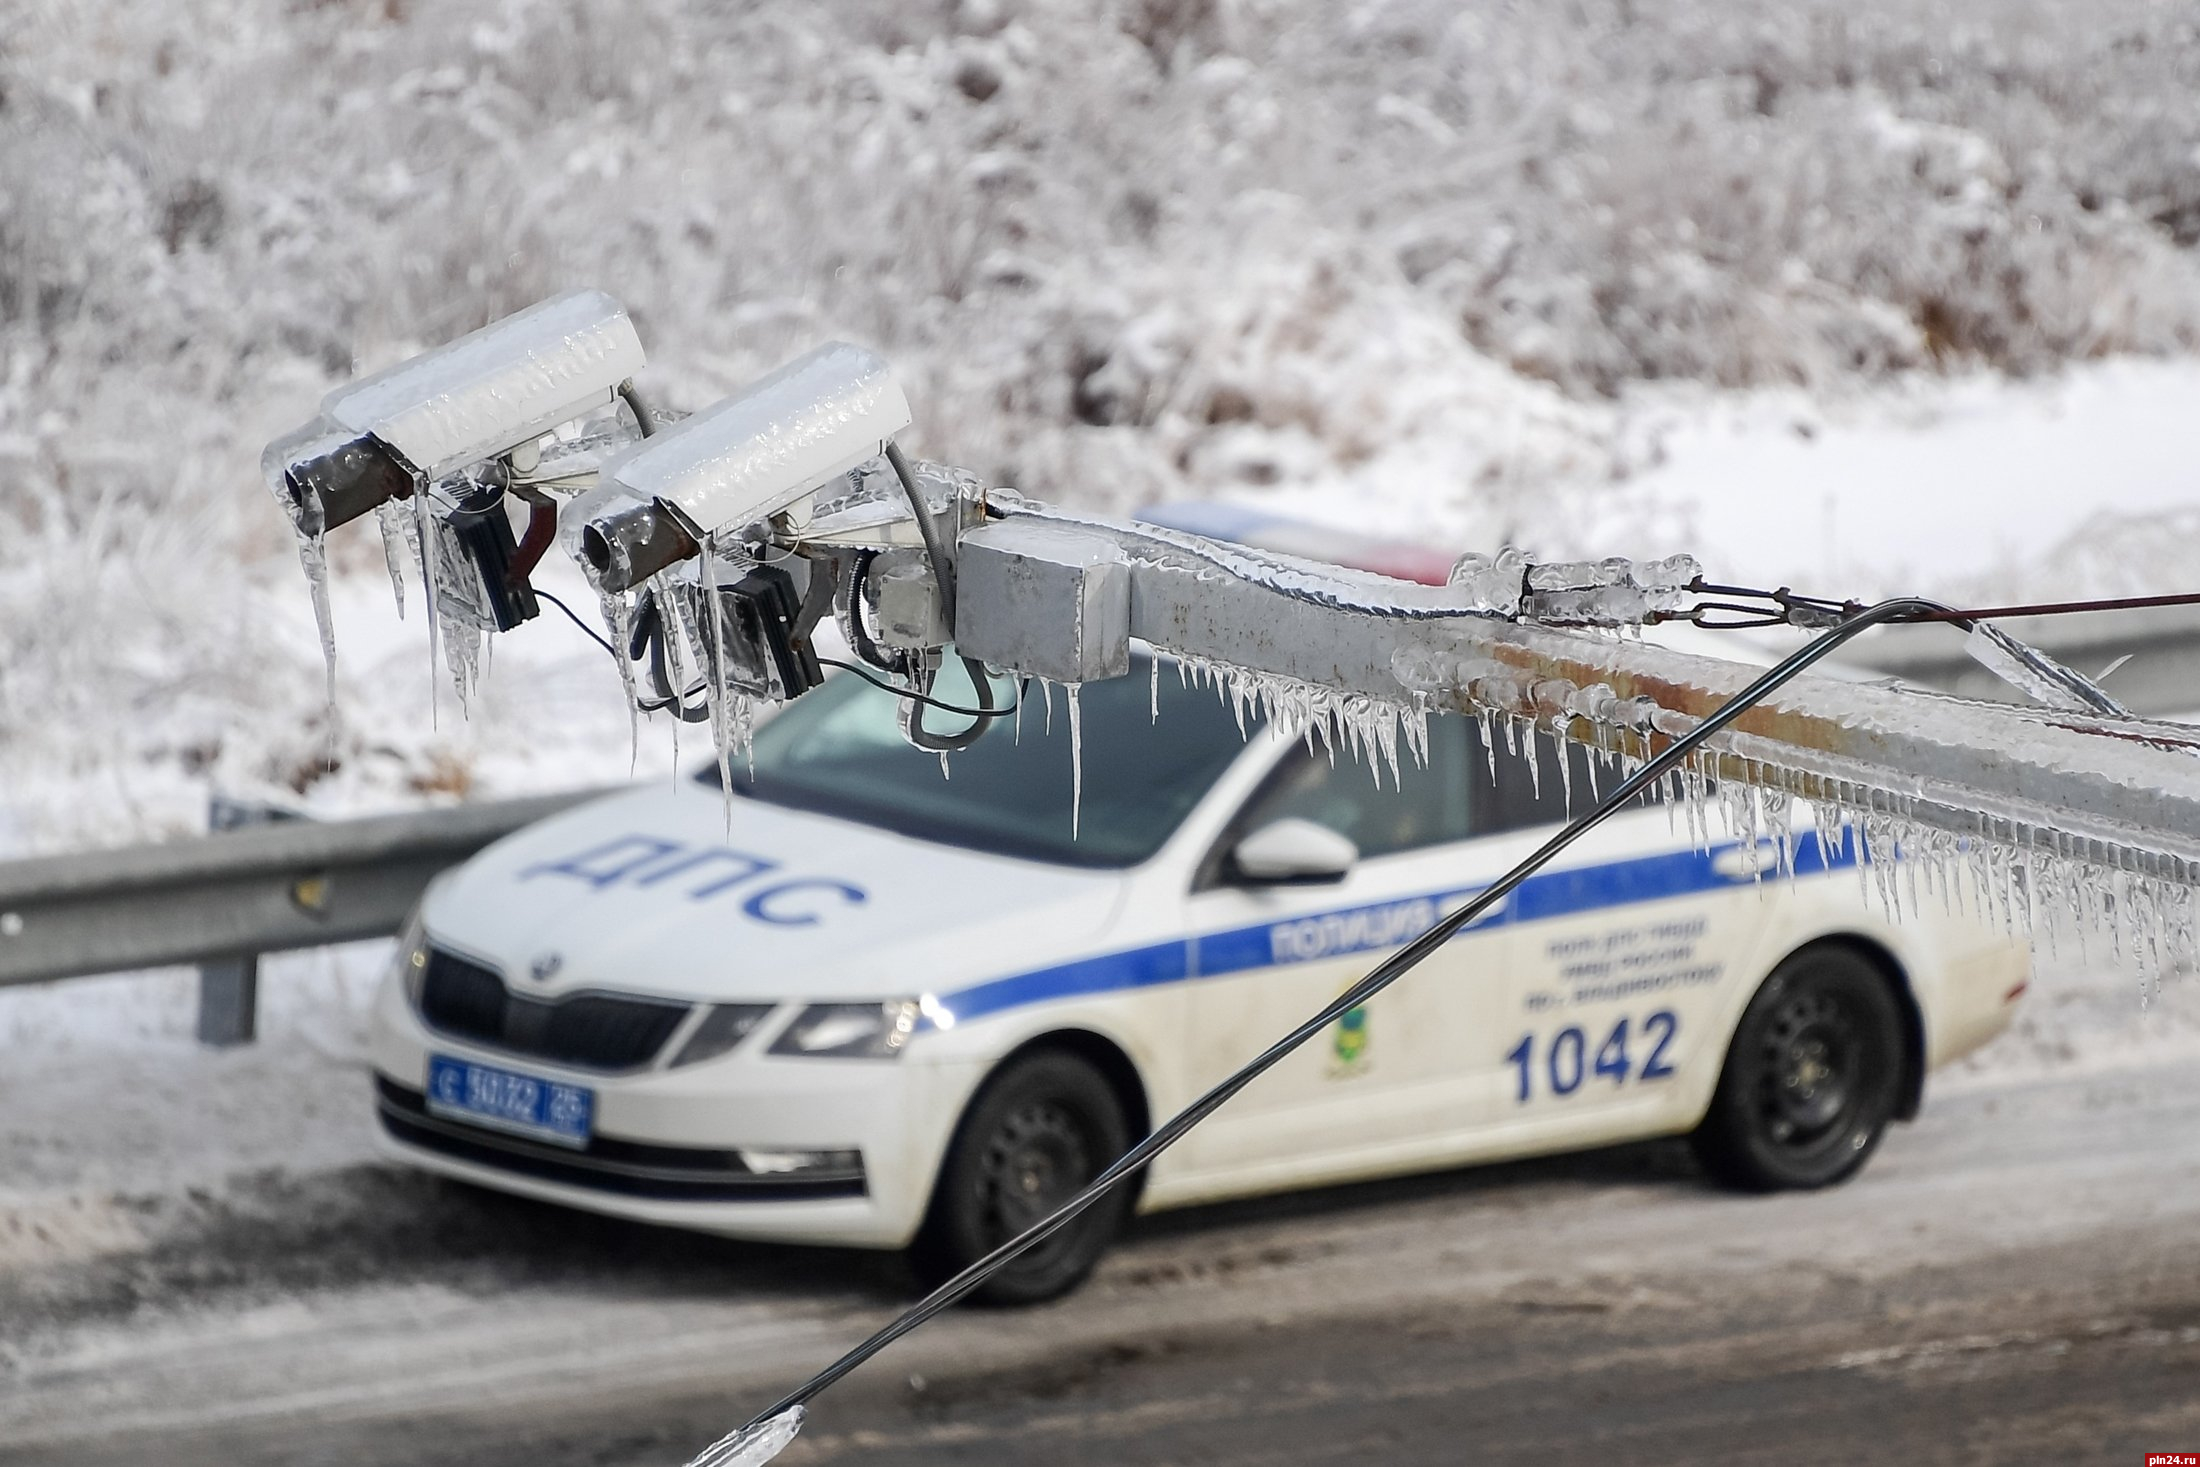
(1976, 486)
(107, 1098)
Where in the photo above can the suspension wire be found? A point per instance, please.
(1396, 966)
(1790, 607)
(2061, 608)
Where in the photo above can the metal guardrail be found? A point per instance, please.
(239, 893)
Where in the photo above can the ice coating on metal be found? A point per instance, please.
(497, 387)
(752, 1446)
(1609, 593)
(2037, 675)
(1932, 790)
(1615, 592)
(2043, 802)
(1312, 581)
(1492, 581)
(756, 453)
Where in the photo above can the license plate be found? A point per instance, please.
(526, 1105)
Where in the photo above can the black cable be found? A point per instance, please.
(943, 575)
(574, 617)
(916, 697)
(652, 705)
(1387, 972)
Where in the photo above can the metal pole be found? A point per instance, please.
(229, 988)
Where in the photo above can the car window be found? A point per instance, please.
(1462, 792)
(1380, 810)
(838, 750)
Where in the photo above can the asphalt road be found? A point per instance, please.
(2013, 1280)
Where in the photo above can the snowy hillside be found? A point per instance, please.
(1444, 261)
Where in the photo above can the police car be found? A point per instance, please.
(908, 1005)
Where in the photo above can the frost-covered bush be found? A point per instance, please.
(1121, 249)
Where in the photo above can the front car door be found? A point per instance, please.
(1383, 1088)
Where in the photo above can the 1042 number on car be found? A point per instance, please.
(1565, 1061)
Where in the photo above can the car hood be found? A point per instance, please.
(649, 892)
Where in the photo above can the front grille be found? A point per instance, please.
(588, 1031)
(629, 1168)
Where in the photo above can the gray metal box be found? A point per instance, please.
(1045, 599)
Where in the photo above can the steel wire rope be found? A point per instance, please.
(1384, 974)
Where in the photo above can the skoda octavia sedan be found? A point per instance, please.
(908, 1005)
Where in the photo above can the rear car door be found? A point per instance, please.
(1622, 949)
(1387, 1082)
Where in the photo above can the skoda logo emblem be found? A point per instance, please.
(545, 968)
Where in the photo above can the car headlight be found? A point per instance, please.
(850, 1030)
(726, 1025)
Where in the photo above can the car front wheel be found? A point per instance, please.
(1042, 1127)
(1812, 1078)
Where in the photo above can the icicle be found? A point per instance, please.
(618, 620)
(715, 688)
(1076, 756)
(1154, 678)
(1046, 694)
(1415, 720)
(1565, 763)
(398, 534)
(313, 555)
(947, 773)
(753, 1446)
(1779, 825)
(1385, 721)
(1489, 743)
(423, 535)
(1909, 853)
(671, 631)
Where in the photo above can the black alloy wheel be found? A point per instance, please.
(1042, 1127)
(1812, 1078)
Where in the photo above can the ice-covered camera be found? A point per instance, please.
(754, 455)
(467, 402)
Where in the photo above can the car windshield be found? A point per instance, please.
(837, 750)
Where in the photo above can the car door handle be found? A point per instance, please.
(1739, 863)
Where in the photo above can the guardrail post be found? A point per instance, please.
(229, 988)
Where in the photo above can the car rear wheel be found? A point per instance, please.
(1043, 1126)
(1812, 1078)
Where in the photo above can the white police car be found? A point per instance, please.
(903, 1006)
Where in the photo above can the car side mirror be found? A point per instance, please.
(1293, 852)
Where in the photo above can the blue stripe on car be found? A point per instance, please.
(1380, 925)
